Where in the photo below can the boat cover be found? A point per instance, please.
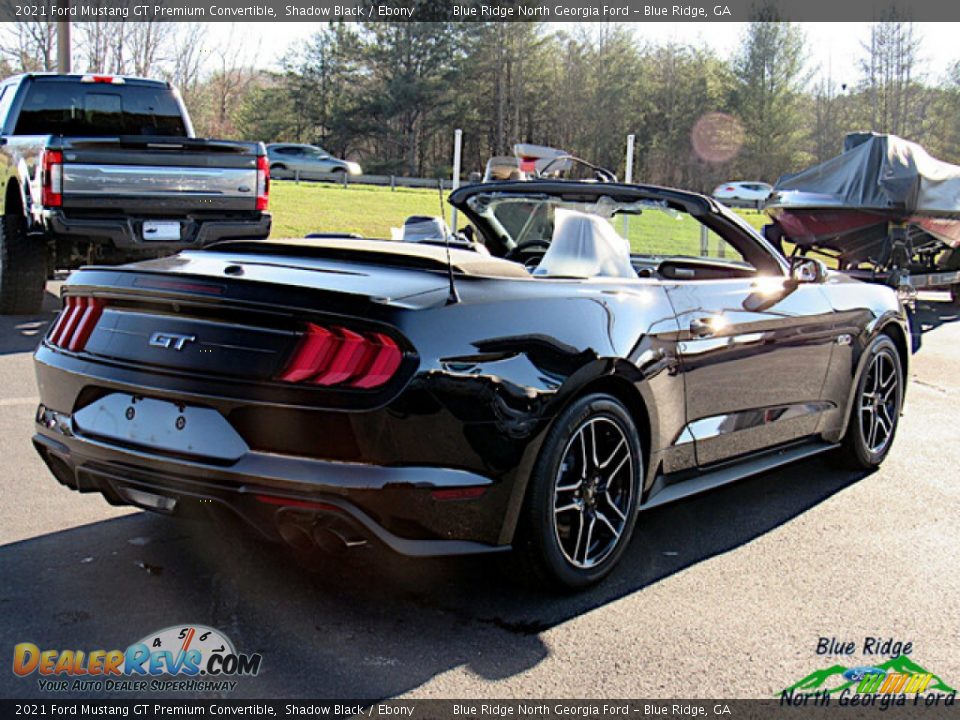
(879, 172)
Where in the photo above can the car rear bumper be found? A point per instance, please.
(126, 233)
(415, 511)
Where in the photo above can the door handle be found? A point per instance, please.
(702, 327)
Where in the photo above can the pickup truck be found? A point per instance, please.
(107, 168)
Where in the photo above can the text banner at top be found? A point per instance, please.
(478, 10)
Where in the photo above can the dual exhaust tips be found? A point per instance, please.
(307, 532)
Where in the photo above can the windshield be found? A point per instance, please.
(653, 228)
(68, 107)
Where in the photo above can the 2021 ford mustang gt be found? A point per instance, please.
(590, 350)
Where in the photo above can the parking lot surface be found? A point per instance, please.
(721, 596)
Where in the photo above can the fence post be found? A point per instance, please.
(704, 242)
(393, 183)
(345, 176)
(628, 178)
(296, 176)
(457, 143)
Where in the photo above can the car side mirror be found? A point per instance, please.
(806, 270)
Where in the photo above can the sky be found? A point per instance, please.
(835, 48)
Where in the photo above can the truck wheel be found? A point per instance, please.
(23, 268)
(955, 294)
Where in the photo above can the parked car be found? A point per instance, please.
(309, 162)
(750, 194)
(442, 401)
(107, 168)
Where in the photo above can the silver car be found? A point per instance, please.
(310, 161)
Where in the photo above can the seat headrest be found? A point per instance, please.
(585, 246)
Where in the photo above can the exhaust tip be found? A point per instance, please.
(295, 535)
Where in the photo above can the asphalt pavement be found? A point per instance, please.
(722, 596)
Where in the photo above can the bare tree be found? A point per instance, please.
(232, 77)
(891, 74)
(30, 45)
(185, 68)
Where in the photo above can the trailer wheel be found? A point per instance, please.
(23, 268)
(955, 294)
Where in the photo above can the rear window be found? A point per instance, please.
(62, 107)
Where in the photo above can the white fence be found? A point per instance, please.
(391, 181)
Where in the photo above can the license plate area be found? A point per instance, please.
(161, 230)
(161, 425)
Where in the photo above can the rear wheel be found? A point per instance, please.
(955, 293)
(581, 505)
(23, 268)
(876, 407)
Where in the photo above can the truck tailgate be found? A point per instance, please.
(199, 173)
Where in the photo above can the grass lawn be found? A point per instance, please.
(371, 211)
(364, 209)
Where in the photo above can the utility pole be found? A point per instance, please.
(63, 40)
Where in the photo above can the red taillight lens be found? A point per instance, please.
(76, 323)
(52, 180)
(338, 356)
(263, 182)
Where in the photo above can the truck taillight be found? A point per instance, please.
(76, 322)
(338, 356)
(263, 182)
(52, 179)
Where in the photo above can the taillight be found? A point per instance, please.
(338, 356)
(75, 324)
(263, 182)
(52, 180)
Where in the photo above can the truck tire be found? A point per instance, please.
(23, 268)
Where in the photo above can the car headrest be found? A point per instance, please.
(585, 246)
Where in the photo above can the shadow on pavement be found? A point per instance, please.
(367, 625)
(932, 314)
(22, 333)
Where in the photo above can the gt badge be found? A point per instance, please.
(170, 341)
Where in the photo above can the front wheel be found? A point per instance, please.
(876, 407)
(581, 504)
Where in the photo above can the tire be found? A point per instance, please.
(561, 548)
(23, 268)
(277, 168)
(875, 414)
(955, 294)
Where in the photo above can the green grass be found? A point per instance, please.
(371, 211)
(365, 209)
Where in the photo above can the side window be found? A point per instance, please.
(6, 100)
(664, 233)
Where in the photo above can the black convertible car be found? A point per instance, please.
(587, 350)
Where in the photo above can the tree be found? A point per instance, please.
(409, 88)
(769, 83)
(30, 45)
(890, 77)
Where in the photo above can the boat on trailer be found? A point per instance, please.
(884, 209)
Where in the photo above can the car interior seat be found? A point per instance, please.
(585, 246)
